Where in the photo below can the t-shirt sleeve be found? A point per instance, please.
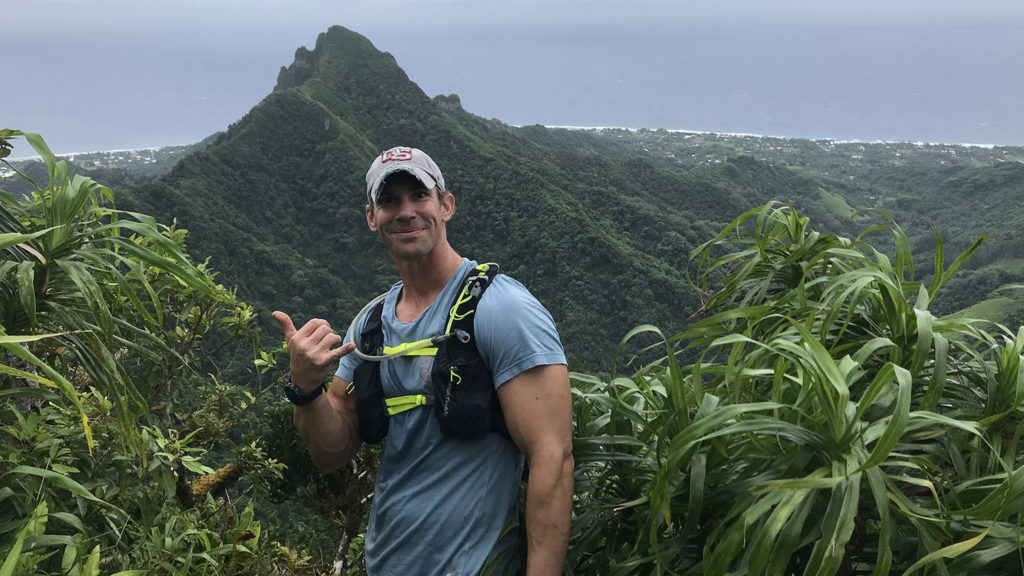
(514, 331)
(347, 365)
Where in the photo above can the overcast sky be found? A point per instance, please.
(100, 74)
(57, 14)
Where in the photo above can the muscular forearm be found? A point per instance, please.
(548, 512)
(332, 439)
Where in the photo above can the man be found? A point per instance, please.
(444, 505)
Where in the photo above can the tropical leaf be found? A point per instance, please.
(34, 527)
(870, 394)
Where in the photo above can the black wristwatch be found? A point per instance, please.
(300, 397)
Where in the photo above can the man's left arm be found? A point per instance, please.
(537, 405)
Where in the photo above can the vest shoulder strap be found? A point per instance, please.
(371, 339)
(461, 314)
(466, 402)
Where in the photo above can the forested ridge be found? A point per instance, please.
(598, 224)
(803, 403)
(600, 234)
(602, 240)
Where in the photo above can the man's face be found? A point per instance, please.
(409, 217)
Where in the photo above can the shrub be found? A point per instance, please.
(818, 420)
(105, 422)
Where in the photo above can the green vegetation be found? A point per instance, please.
(785, 401)
(829, 424)
(958, 190)
(118, 394)
(816, 419)
(118, 168)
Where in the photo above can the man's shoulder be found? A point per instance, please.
(509, 283)
(501, 285)
(506, 288)
(507, 301)
(516, 332)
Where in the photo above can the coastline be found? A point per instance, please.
(823, 140)
(775, 137)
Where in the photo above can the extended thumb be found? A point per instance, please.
(286, 323)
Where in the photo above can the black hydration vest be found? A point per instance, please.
(464, 399)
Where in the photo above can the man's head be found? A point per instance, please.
(407, 204)
(402, 159)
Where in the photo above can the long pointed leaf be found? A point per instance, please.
(56, 478)
(34, 527)
(27, 289)
(8, 239)
(951, 551)
(897, 421)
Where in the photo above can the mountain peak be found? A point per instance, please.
(345, 50)
(601, 241)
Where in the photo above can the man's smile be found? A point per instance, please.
(408, 232)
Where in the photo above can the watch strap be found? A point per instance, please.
(299, 397)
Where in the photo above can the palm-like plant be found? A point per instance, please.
(103, 309)
(827, 423)
(85, 289)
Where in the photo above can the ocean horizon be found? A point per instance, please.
(600, 128)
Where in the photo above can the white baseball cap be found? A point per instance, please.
(401, 159)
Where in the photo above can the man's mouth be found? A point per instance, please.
(407, 232)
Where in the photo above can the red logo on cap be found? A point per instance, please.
(396, 155)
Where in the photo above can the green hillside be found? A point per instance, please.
(601, 236)
(599, 223)
(961, 192)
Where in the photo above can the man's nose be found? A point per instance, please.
(406, 208)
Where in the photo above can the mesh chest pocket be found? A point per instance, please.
(370, 407)
(464, 398)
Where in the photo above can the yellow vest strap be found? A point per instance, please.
(400, 404)
(418, 348)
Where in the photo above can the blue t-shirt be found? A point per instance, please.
(441, 504)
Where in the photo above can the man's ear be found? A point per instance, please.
(370, 221)
(448, 206)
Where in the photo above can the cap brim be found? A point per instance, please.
(418, 173)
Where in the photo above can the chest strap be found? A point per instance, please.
(423, 347)
(399, 404)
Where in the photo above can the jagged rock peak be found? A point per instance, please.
(337, 39)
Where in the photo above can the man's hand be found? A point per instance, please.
(311, 350)
(330, 428)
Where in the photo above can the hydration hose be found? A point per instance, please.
(462, 335)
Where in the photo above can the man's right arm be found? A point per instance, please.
(329, 424)
(330, 427)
